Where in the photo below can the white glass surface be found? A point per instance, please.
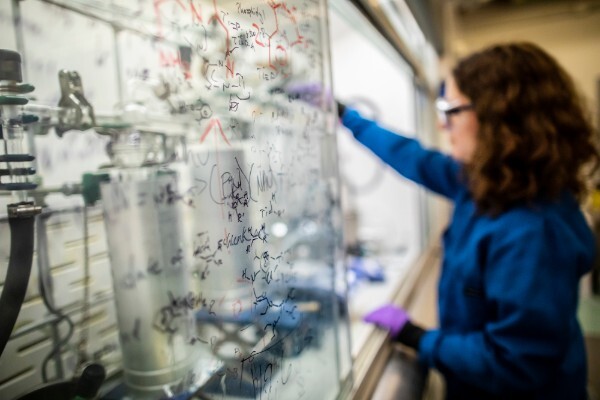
(225, 256)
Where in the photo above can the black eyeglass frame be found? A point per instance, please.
(445, 109)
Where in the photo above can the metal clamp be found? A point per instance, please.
(24, 209)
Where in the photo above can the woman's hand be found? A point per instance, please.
(397, 322)
(388, 317)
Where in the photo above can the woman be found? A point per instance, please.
(518, 243)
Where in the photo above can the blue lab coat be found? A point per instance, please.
(508, 291)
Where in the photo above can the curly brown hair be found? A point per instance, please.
(535, 138)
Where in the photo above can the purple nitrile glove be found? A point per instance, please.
(388, 317)
(312, 93)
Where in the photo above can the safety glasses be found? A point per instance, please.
(445, 109)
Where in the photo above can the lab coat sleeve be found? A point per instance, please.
(432, 169)
(531, 297)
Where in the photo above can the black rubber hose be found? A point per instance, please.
(17, 275)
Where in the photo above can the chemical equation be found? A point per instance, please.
(236, 188)
(155, 193)
(231, 40)
(247, 237)
(169, 318)
(266, 368)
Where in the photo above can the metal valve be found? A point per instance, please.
(76, 112)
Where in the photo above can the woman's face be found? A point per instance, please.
(462, 126)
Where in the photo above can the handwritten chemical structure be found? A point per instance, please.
(216, 278)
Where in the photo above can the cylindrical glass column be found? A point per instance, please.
(151, 279)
